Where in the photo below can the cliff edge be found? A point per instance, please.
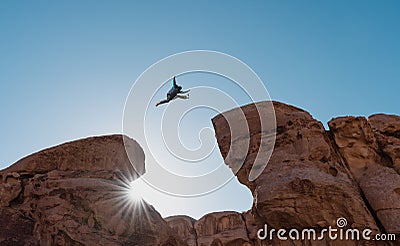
(75, 193)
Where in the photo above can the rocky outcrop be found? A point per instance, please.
(183, 226)
(219, 228)
(76, 194)
(371, 149)
(306, 183)
(222, 228)
(387, 133)
(313, 178)
(16, 228)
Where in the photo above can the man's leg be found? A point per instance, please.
(183, 96)
(162, 102)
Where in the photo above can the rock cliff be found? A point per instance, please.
(76, 194)
(310, 181)
(371, 149)
(66, 195)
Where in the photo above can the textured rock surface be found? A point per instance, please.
(102, 154)
(306, 183)
(75, 194)
(222, 228)
(387, 133)
(304, 174)
(356, 142)
(16, 228)
(183, 226)
(368, 159)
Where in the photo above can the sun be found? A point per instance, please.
(136, 190)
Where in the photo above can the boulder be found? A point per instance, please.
(306, 183)
(77, 193)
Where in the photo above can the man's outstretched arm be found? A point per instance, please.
(174, 82)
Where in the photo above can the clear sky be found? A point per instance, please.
(66, 67)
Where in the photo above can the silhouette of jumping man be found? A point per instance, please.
(174, 93)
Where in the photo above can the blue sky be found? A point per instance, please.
(66, 67)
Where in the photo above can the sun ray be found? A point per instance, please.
(125, 196)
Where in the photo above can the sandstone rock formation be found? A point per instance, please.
(387, 134)
(76, 194)
(366, 146)
(183, 226)
(222, 228)
(73, 194)
(306, 184)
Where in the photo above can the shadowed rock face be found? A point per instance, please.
(222, 228)
(372, 150)
(306, 183)
(183, 226)
(387, 133)
(76, 194)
